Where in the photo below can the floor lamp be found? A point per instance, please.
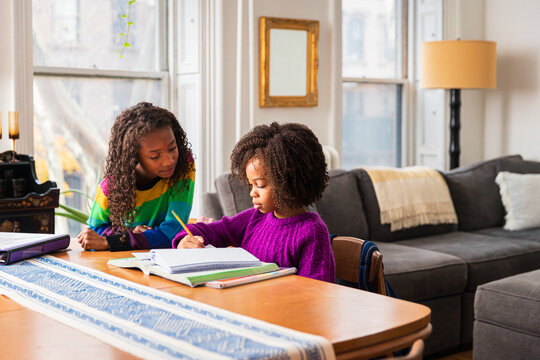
(456, 65)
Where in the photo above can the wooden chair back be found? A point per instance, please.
(347, 252)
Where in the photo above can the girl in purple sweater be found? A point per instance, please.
(285, 170)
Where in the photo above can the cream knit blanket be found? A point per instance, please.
(412, 196)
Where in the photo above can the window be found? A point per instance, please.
(92, 59)
(373, 75)
(353, 47)
(65, 21)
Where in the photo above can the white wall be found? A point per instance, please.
(505, 120)
(6, 71)
(465, 21)
(318, 118)
(512, 111)
(243, 89)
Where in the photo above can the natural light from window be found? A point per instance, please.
(373, 79)
(92, 59)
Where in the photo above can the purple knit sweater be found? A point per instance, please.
(300, 241)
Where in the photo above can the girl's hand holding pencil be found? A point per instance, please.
(189, 241)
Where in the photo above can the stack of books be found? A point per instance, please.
(213, 267)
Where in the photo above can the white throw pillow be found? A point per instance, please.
(520, 195)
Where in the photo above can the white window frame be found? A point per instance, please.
(199, 77)
(430, 105)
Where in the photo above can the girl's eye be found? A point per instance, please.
(154, 158)
(172, 149)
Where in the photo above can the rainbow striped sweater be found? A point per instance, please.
(154, 206)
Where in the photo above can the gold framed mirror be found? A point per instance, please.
(288, 62)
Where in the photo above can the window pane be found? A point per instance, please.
(371, 125)
(72, 122)
(369, 38)
(91, 34)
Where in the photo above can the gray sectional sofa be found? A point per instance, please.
(440, 266)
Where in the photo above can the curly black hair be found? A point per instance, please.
(292, 158)
(130, 126)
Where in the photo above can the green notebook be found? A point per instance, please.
(192, 278)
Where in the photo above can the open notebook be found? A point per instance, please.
(190, 278)
(176, 261)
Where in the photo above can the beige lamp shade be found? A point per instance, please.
(458, 64)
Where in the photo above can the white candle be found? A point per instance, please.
(13, 124)
(0, 125)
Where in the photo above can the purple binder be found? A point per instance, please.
(19, 246)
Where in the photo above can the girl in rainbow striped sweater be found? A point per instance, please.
(149, 172)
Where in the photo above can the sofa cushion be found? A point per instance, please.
(381, 232)
(341, 206)
(527, 234)
(512, 303)
(476, 195)
(519, 166)
(211, 206)
(520, 195)
(416, 274)
(233, 194)
(488, 258)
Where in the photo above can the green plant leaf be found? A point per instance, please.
(75, 212)
(122, 34)
(126, 44)
(70, 216)
(130, 23)
(123, 16)
(131, 2)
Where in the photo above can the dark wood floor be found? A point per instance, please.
(466, 355)
(463, 355)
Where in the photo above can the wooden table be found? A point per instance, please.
(359, 324)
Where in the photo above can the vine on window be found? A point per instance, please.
(125, 35)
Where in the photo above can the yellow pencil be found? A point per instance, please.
(182, 223)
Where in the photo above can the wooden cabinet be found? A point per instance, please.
(26, 205)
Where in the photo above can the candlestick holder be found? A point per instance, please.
(13, 158)
(13, 129)
(14, 137)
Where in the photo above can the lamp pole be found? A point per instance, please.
(455, 125)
